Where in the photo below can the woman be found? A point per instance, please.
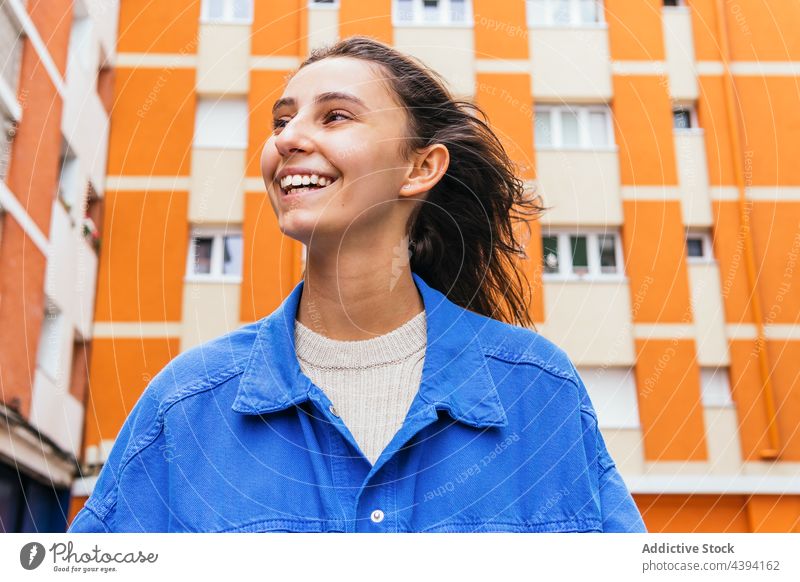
(385, 394)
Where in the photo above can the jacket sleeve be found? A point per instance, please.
(130, 492)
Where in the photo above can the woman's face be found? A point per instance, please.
(337, 119)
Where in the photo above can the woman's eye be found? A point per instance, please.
(280, 123)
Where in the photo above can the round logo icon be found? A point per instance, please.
(31, 555)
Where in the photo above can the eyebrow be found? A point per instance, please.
(321, 98)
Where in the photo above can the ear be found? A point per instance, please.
(429, 166)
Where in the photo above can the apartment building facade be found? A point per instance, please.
(658, 132)
(55, 99)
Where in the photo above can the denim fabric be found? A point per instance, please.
(231, 436)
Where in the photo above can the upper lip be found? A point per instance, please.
(294, 170)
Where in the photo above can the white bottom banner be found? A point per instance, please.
(414, 557)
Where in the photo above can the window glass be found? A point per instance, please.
(430, 10)
(458, 11)
(202, 255)
(221, 123)
(538, 11)
(598, 128)
(561, 11)
(550, 254)
(215, 9)
(570, 135)
(241, 9)
(608, 257)
(405, 10)
(694, 246)
(580, 256)
(543, 128)
(681, 119)
(589, 11)
(232, 255)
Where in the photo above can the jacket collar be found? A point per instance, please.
(455, 375)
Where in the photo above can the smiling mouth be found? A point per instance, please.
(297, 190)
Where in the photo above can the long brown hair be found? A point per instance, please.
(471, 212)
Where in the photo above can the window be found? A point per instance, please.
(228, 11)
(48, 356)
(215, 254)
(68, 177)
(698, 247)
(580, 127)
(613, 394)
(684, 117)
(715, 387)
(565, 12)
(574, 255)
(673, 3)
(221, 123)
(432, 12)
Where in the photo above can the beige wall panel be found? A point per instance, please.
(625, 447)
(690, 153)
(722, 437)
(217, 188)
(570, 64)
(223, 59)
(450, 51)
(591, 321)
(209, 311)
(709, 315)
(323, 26)
(680, 53)
(582, 187)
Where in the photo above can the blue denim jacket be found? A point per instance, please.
(231, 436)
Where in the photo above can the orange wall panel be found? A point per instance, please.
(745, 380)
(713, 118)
(277, 28)
(704, 30)
(143, 259)
(506, 99)
(501, 30)
(22, 275)
(53, 21)
(146, 26)
(728, 242)
(266, 87)
(120, 371)
(153, 122)
(654, 248)
(372, 18)
(693, 513)
(670, 406)
(643, 127)
(763, 30)
(635, 30)
(771, 119)
(774, 513)
(268, 267)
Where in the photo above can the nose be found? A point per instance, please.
(295, 136)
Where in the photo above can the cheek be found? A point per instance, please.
(269, 159)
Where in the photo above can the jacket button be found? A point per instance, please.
(376, 516)
(333, 411)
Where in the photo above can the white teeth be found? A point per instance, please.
(304, 180)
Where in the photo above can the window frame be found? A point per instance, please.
(565, 270)
(583, 111)
(574, 11)
(216, 275)
(227, 11)
(418, 20)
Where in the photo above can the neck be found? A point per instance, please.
(357, 301)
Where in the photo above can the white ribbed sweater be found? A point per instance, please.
(370, 383)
